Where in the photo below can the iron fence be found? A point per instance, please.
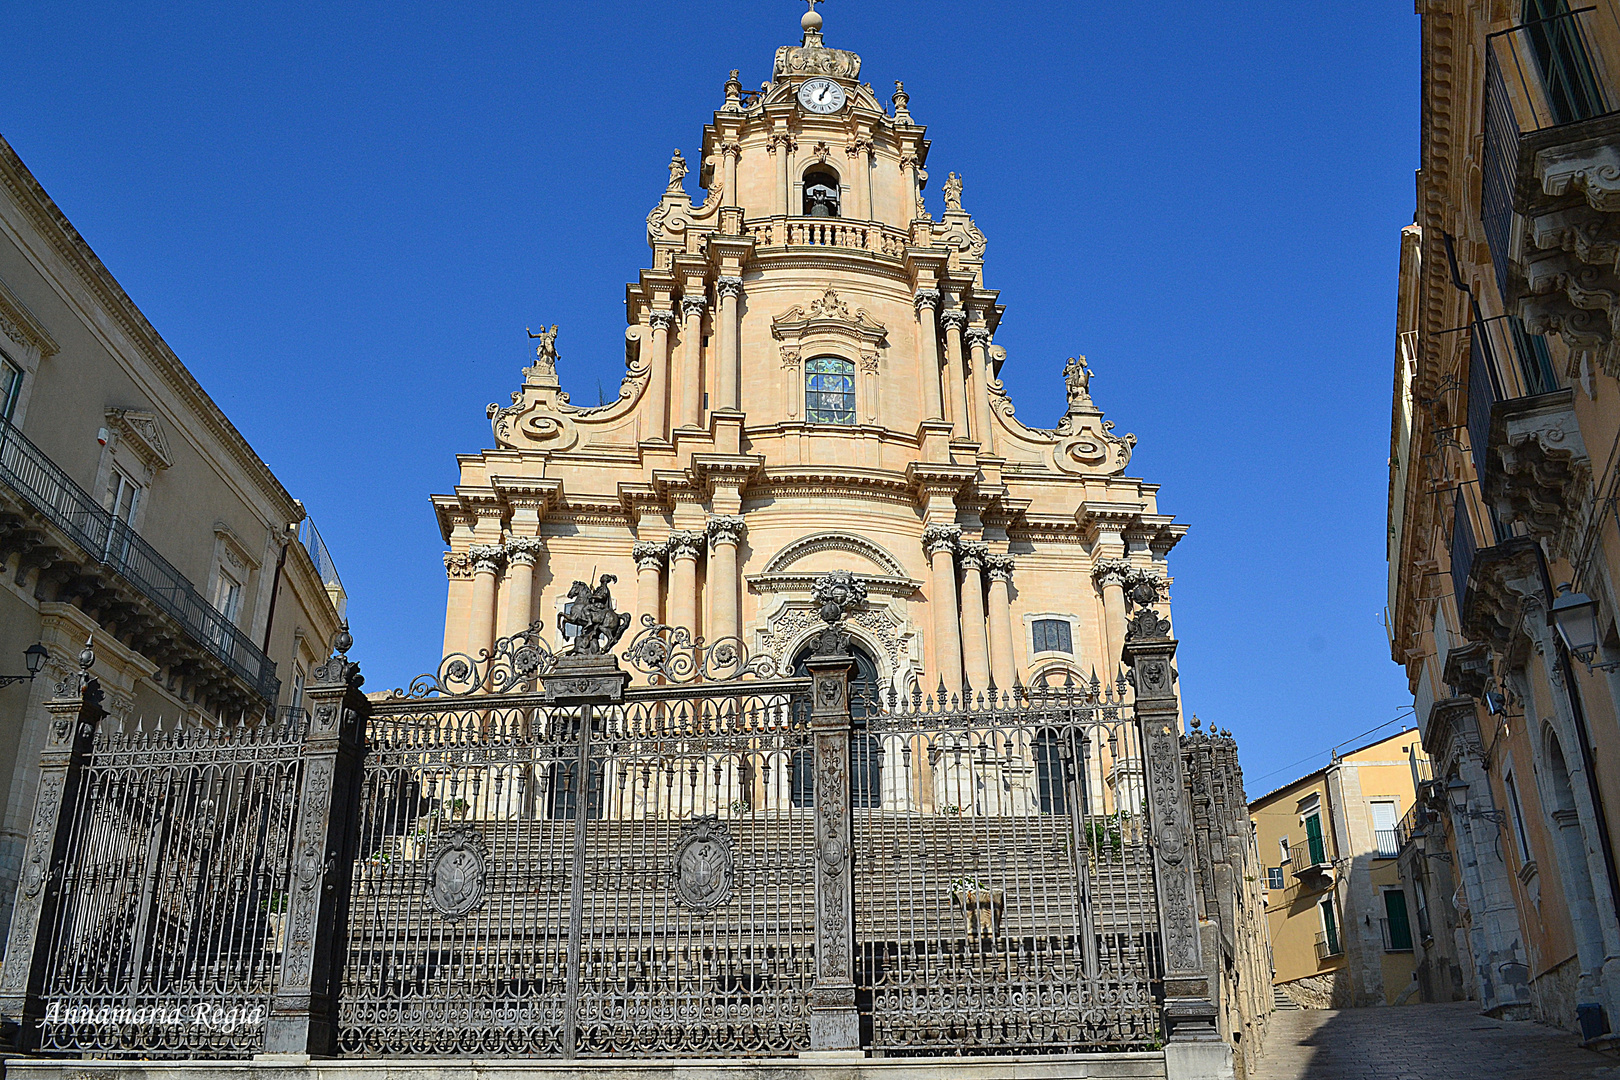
(169, 937)
(1004, 895)
(740, 865)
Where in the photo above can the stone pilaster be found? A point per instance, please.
(978, 378)
(689, 388)
(729, 290)
(523, 555)
(684, 549)
(1110, 575)
(953, 322)
(927, 303)
(834, 1022)
(971, 556)
(658, 373)
(939, 544)
(649, 556)
(724, 585)
(487, 562)
(1003, 662)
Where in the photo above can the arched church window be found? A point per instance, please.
(829, 390)
(820, 194)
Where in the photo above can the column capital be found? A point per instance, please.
(661, 320)
(971, 554)
(728, 286)
(1110, 571)
(457, 566)
(487, 558)
(954, 319)
(1000, 567)
(693, 305)
(524, 550)
(649, 554)
(937, 538)
(685, 544)
(977, 337)
(725, 529)
(731, 149)
(926, 298)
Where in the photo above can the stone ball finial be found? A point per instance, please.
(811, 20)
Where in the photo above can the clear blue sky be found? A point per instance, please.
(342, 217)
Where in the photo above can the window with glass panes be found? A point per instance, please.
(829, 390)
(11, 378)
(1053, 635)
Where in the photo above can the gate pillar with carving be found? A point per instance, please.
(303, 1017)
(75, 712)
(1194, 1049)
(834, 1021)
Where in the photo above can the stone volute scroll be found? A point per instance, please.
(541, 417)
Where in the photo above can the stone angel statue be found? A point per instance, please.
(953, 192)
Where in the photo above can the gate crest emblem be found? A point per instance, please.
(704, 868)
(456, 874)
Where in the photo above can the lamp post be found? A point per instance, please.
(34, 657)
(1574, 616)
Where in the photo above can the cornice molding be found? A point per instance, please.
(23, 327)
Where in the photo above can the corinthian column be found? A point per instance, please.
(458, 610)
(658, 378)
(927, 301)
(487, 560)
(522, 555)
(730, 292)
(729, 153)
(955, 382)
(939, 542)
(683, 555)
(689, 390)
(975, 649)
(1110, 575)
(978, 380)
(725, 536)
(649, 579)
(1003, 664)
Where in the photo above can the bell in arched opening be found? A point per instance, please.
(820, 194)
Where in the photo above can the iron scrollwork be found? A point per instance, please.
(515, 662)
(674, 654)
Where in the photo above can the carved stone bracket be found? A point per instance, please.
(1504, 580)
(1542, 473)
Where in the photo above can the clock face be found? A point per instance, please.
(821, 96)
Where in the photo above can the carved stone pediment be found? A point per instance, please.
(1539, 471)
(141, 434)
(1504, 581)
(813, 59)
(1468, 669)
(827, 312)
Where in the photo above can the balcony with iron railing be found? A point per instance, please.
(110, 544)
(1386, 843)
(1548, 82)
(1327, 946)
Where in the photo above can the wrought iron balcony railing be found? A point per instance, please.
(1542, 74)
(1327, 946)
(1387, 843)
(106, 540)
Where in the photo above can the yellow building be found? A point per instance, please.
(1341, 921)
(812, 384)
(1504, 548)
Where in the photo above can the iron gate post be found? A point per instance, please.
(303, 1015)
(1194, 1049)
(75, 713)
(834, 1021)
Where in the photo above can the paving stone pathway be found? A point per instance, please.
(1422, 1042)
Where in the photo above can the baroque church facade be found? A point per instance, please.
(812, 384)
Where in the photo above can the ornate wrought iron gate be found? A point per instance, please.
(1003, 888)
(548, 879)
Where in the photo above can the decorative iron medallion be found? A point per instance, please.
(704, 868)
(456, 874)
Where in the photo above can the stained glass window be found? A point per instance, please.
(829, 390)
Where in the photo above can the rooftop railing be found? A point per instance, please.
(1542, 74)
(106, 540)
(869, 236)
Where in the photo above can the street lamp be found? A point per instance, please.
(1574, 615)
(34, 657)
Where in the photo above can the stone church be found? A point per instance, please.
(812, 383)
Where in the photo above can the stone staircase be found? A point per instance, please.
(1283, 1003)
